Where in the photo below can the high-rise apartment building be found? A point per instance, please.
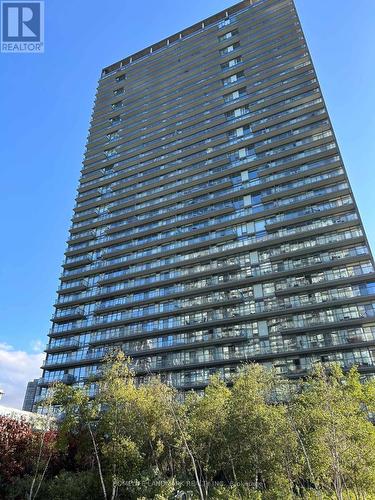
(214, 222)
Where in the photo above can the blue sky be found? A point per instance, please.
(46, 102)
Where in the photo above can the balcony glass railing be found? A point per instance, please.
(93, 211)
(362, 359)
(212, 281)
(203, 154)
(236, 214)
(220, 137)
(337, 236)
(225, 313)
(72, 284)
(251, 349)
(247, 240)
(63, 344)
(160, 105)
(253, 114)
(110, 174)
(73, 311)
(258, 208)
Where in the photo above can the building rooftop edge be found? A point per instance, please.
(179, 35)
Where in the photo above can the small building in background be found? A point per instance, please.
(30, 395)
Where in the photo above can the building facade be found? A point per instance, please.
(214, 222)
(31, 390)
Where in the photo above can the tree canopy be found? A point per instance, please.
(261, 438)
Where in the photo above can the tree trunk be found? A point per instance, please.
(304, 451)
(98, 462)
(30, 495)
(43, 474)
(196, 475)
(114, 483)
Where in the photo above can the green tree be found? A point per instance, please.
(130, 430)
(261, 441)
(337, 440)
(78, 421)
(136, 427)
(206, 419)
(262, 438)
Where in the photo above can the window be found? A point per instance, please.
(237, 94)
(115, 119)
(260, 225)
(236, 113)
(226, 22)
(119, 91)
(120, 78)
(233, 78)
(116, 105)
(228, 35)
(109, 153)
(229, 49)
(231, 64)
(113, 136)
(240, 132)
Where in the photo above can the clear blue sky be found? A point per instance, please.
(46, 102)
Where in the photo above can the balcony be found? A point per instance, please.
(84, 235)
(68, 379)
(185, 353)
(72, 286)
(285, 232)
(100, 353)
(81, 260)
(73, 313)
(325, 323)
(68, 345)
(187, 380)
